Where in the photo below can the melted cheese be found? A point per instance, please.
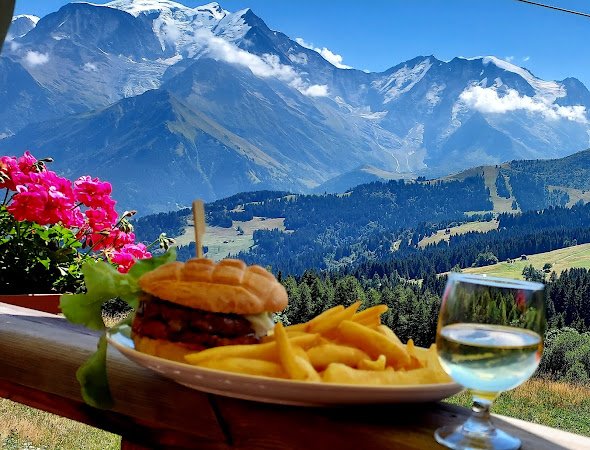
(261, 323)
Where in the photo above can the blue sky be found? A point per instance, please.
(376, 35)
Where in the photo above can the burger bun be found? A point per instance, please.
(229, 286)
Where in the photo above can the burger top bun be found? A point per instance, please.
(225, 287)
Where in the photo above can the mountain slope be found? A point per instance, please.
(536, 184)
(153, 140)
(422, 117)
(373, 221)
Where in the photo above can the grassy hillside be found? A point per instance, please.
(577, 256)
(223, 241)
(567, 175)
(557, 405)
(22, 427)
(440, 235)
(489, 174)
(575, 194)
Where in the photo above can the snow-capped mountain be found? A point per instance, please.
(247, 107)
(21, 25)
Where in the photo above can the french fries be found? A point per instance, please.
(248, 366)
(375, 344)
(370, 317)
(321, 356)
(296, 365)
(265, 352)
(331, 322)
(340, 345)
(368, 364)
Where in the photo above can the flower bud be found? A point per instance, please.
(165, 241)
(125, 226)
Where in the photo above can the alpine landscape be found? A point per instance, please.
(217, 103)
(348, 185)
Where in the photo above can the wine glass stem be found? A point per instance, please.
(480, 421)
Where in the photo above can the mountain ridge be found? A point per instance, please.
(372, 222)
(317, 122)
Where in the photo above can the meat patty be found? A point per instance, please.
(160, 319)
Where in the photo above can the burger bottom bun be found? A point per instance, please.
(174, 351)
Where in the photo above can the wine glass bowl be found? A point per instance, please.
(489, 340)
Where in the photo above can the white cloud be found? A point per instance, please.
(487, 100)
(299, 58)
(332, 58)
(89, 67)
(263, 66)
(170, 33)
(36, 58)
(509, 58)
(301, 42)
(316, 90)
(526, 58)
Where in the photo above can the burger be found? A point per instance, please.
(188, 307)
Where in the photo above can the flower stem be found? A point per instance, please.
(17, 229)
(152, 244)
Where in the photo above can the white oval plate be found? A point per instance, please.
(271, 390)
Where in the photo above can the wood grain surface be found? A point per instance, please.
(39, 355)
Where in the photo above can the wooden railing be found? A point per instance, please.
(40, 352)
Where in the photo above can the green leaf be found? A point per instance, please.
(103, 282)
(101, 285)
(125, 324)
(142, 266)
(46, 262)
(92, 376)
(40, 231)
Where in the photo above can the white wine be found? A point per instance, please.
(488, 358)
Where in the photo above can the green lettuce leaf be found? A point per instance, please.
(92, 376)
(103, 283)
(143, 266)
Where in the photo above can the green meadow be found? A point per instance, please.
(577, 256)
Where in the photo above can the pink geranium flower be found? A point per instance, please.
(126, 257)
(8, 170)
(26, 163)
(48, 198)
(92, 192)
(29, 204)
(101, 219)
(115, 239)
(84, 207)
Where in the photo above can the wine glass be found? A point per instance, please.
(489, 339)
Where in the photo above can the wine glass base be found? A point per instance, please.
(456, 437)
